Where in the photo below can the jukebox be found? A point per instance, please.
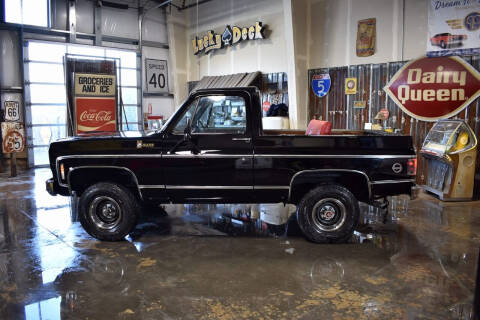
(450, 151)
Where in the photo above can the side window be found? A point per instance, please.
(220, 114)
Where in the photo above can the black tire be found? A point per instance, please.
(442, 44)
(328, 214)
(108, 211)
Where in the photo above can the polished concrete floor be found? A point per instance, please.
(189, 265)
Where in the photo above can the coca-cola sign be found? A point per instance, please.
(430, 89)
(95, 114)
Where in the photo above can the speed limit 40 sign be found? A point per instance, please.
(157, 75)
(12, 111)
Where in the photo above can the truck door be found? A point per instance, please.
(215, 162)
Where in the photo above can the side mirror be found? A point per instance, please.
(187, 132)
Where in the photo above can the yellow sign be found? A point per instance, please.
(350, 85)
(359, 104)
(94, 85)
(229, 37)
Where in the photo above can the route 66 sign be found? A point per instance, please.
(13, 137)
(12, 110)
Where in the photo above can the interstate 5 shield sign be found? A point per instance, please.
(430, 89)
(321, 84)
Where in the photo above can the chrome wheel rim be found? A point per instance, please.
(328, 214)
(105, 213)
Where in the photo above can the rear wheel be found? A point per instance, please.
(108, 211)
(328, 214)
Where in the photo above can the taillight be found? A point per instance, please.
(62, 171)
(412, 167)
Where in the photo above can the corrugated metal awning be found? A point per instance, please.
(228, 81)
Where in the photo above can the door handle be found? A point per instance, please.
(247, 140)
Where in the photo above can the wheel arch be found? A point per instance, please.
(355, 181)
(81, 177)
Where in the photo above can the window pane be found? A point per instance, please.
(128, 58)
(49, 114)
(129, 95)
(13, 11)
(45, 72)
(131, 126)
(129, 77)
(86, 51)
(220, 114)
(45, 135)
(32, 12)
(46, 52)
(130, 115)
(35, 12)
(43, 93)
(40, 156)
(188, 114)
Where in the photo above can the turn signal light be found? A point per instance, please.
(62, 171)
(412, 167)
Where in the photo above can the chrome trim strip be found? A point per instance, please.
(97, 156)
(209, 187)
(161, 186)
(208, 155)
(341, 156)
(152, 186)
(215, 155)
(271, 187)
(331, 170)
(393, 181)
(104, 167)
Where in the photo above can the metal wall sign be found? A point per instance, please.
(157, 75)
(92, 94)
(350, 85)
(98, 85)
(430, 89)
(230, 36)
(453, 27)
(321, 84)
(13, 137)
(366, 37)
(12, 110)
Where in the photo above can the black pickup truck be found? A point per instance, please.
(214, 150)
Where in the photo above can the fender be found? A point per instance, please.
(130, 173)
(309, 176)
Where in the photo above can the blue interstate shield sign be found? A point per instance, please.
(321, 84)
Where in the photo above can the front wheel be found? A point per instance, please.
(328, 214)
(108, 211)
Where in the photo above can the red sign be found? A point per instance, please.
(266, 106)
(95, 114)
(385, 113)
(430, 89)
